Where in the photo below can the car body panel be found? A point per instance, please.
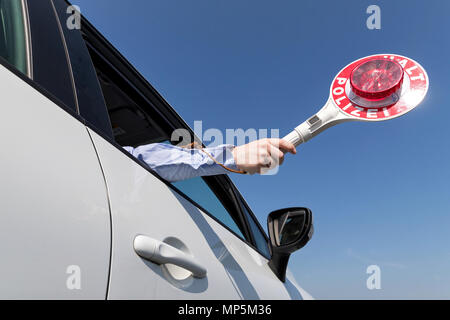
(55, 216)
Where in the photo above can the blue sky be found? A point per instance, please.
(380, 192)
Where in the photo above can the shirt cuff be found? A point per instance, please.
(223, 154)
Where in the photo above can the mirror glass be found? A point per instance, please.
(290, 226)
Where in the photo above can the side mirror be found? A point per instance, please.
(289, 230)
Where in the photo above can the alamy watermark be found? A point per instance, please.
(73, 22)
(374, 280)
(374, 20)
(213, 137)
(73, 281)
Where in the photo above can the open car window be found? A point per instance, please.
(135, 120)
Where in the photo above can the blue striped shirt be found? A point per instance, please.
(174, 163)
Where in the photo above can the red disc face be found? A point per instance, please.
(379, 78)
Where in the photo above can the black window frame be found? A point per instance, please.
(89, 99)
(95, 41)
(41, 14)
(51, 69)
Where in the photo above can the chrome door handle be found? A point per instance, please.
(161, 253)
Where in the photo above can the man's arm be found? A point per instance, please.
(174, 163)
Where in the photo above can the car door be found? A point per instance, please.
(54, 221)
(141, 204)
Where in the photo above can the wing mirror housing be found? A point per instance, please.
(290, 229)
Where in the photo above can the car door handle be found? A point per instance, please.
(161, 253)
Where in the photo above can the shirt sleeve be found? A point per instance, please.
(173, 163)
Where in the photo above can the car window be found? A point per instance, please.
(13, 40)
(198, 190)
(132, 119)
(261, 241)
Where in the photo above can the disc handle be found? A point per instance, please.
(327, 117)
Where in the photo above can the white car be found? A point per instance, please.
(82, 218)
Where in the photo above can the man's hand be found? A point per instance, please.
(262, 155)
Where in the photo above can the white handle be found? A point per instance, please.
(327, 117)
(299, 135)
(161, 253)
